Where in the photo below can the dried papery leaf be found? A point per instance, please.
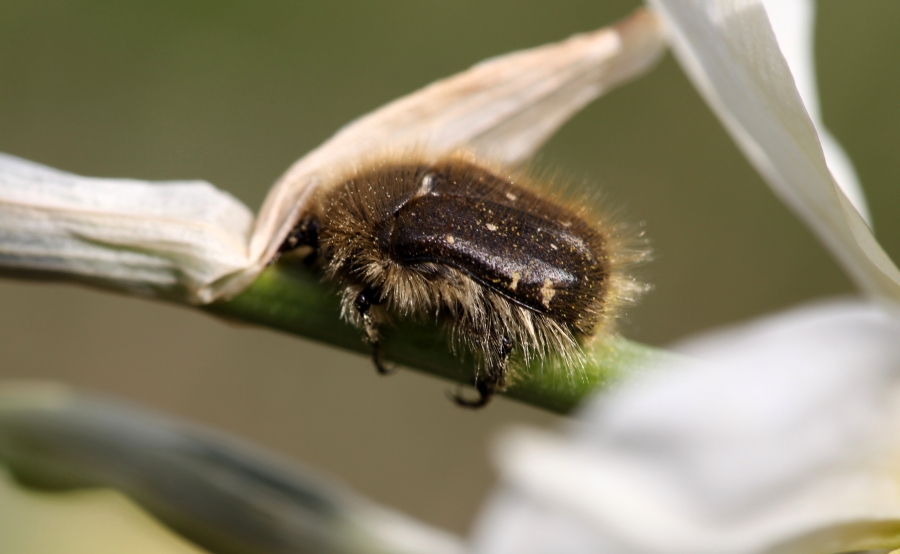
(191, 242)
(169, 239)
(730, 52)
(502, 109)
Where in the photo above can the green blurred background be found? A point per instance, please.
(234, 92)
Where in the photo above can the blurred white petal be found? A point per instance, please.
(785, 439)
(793, 22)
(167, 238)
(503, 108)
(730, 52)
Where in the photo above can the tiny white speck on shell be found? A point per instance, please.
(491, 227)
(547, 292)
(450, 239)
(511, 196)
(515, 280)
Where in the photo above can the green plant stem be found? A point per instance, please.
(293, 299)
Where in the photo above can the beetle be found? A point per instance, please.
(506, 265)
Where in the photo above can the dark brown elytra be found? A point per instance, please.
(502, 264)
(504, 237)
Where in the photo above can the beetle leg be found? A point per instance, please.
(493, 382)
(364, 301)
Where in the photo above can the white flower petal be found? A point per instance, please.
(793, 22)
(786, 439)
(169, 239)
(730, 52)
(503, 108)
